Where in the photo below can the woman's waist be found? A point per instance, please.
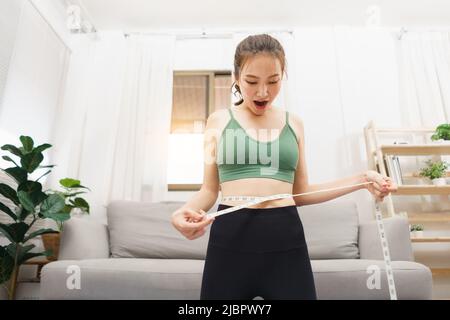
(263, 198)
(267, 204)
(258, 229)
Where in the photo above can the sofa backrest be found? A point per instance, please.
(331, 229)
(144, 230)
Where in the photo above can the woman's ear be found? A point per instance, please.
(236, 79)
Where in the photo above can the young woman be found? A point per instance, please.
(257, 149)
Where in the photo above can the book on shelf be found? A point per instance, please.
(393, 166)
(394, 169)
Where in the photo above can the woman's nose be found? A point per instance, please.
(262, 91)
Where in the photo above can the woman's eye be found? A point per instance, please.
(273, 82)
(251, 82)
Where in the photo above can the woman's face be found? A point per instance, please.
(260, 82)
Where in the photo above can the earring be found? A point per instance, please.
(237, 91)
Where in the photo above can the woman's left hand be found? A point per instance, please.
(381, 186)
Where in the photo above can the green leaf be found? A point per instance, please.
(27, 143)
(59, 217)
(23, 252)
(80, 186)
(31, 161)
(6, 265)
(9, 193)
(82, 204)
(68, 182)
(13, 149)
(34, 189)
(67, 208)
(69, 195)
(17, 173)
(10, 160)
(26, 201)
(42, 147)
(8, 211)
(14, 249)
(15, 232)
(49, 166)
(52, 205)
(44, 175)
(30, 255)
(38, 233)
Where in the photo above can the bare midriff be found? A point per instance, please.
(257, 187)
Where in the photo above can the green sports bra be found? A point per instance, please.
(239, 156)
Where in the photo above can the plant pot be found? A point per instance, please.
(441, 201)
(51, 242)
(439, 182)
(416, 234)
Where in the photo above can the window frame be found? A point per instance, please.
(211, 93)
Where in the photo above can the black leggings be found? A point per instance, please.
(257, 252)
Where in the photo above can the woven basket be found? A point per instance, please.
(51, 242)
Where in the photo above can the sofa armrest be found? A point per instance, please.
(84, 238)
(398, 237)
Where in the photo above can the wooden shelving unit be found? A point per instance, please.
(431, 239)
(377, 157)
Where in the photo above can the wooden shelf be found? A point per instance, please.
(428, 217)
(422, 190)
(416, 150)
(440, 271)
(430, 239)
(418, 176)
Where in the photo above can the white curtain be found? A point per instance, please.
(158, 53)
(424, 61)
(344, 78)
(116, 118)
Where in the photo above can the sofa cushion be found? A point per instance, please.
(331, 229)
(181, 279)
(144, 230)
(124, 278)
(353, 279)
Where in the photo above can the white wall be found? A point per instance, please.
(9, 20)
(35, 82)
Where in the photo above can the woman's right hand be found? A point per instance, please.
(190, 223)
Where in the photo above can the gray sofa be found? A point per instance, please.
(139, 255)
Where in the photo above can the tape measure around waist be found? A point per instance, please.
(252, 200)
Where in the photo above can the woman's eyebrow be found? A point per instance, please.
(252, 76)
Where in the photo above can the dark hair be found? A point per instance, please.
(249, 47)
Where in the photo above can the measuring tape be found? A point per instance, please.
(252, 200)
(386, 253)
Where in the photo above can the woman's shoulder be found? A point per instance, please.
(218, 117)
(218, 120)
(296, 123)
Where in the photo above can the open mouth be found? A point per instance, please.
(261, 104)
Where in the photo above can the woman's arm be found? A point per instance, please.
(206, 197)
(380, 188)
(190, 219)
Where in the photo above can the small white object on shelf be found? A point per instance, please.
(439, 182)
(416, 234)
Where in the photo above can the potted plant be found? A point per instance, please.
(71, 188)
(441, 133)
(435, 171)
(417, 230)
(30, 204)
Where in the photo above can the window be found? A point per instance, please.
(196, 94)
